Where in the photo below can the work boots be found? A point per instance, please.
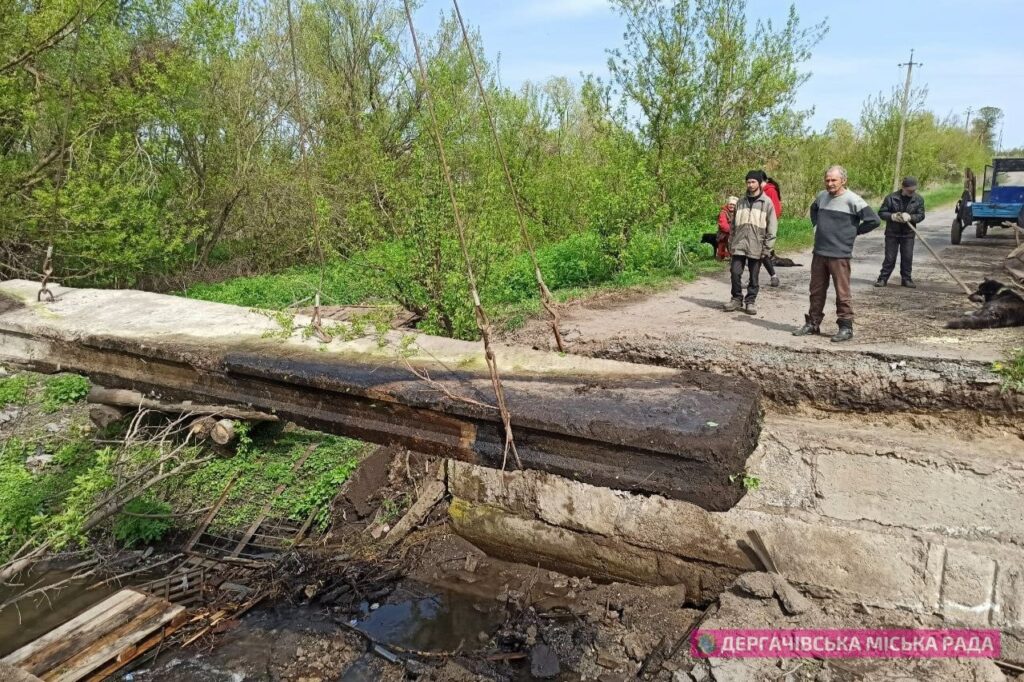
(845, 332)
(775, 281)
(808, 328)
(881, 282)
(733, 305)
(909, 283)
(751, 308)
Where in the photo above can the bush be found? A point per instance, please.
(577, 261)
(64, 389)
(143, 522)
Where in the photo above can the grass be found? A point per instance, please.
(574, 268)
(261, 464)
(942, 195)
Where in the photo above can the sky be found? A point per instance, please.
(857, 58)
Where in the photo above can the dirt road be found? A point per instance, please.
(893, 321)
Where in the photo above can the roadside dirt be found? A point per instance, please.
(891, 321)
(901, 356)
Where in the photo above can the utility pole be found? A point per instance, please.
(903, 117)
(967, 125)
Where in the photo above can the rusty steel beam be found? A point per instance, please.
(648, 429)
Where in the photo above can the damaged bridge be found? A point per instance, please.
(680, 434)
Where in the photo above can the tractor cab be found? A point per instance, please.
(1002, 198)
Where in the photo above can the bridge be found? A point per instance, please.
(680, 434)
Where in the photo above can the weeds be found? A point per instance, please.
(1012, 371)
(144, 521)
(14, 390)
(64, 389)
(749, 481)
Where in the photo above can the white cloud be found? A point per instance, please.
(558, 9)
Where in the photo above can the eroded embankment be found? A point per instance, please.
(848, 381)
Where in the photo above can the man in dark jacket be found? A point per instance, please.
(899, 210)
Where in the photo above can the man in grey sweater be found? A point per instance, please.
(839, 216)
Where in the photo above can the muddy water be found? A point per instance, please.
(279, 640)
(30, 618)
(426, 619)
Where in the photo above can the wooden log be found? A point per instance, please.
(103, 416)
(121, 397)
(202, 427)
(223, 432)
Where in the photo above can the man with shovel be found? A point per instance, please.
(902, 211)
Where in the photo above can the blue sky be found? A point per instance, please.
(858, 57)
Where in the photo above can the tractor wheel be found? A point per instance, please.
(980, 229)
(956, 231)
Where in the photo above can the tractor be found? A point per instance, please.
(1002, 199)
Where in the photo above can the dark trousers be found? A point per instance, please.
(823, 269)
(769, 268)
(904, 245)
(736, 270)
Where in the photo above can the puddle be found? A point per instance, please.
(33, 617)
(423, 618)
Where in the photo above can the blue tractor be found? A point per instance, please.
(1002, 198)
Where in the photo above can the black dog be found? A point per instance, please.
(1003, 307)
(711, 239)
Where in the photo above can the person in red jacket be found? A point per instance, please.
(771, 190)
(725, 228)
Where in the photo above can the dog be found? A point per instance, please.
(711, 239)
(1001, 307)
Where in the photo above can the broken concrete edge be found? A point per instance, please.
(126, 313)
(568, 525)
(858, 381)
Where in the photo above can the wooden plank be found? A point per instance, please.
(9, 673)
(156, 613)
(138, 650)
(213, 512)
(110, 606)
(270, 503)
(53, 656)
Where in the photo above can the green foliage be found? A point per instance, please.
(159, 149)
(1012, 371)
(64, 389)
(749, 481)
(143, 521)
(260, 465)
(14, 390)
(30, 502)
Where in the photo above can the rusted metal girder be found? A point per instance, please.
(633, 427)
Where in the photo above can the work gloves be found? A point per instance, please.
(901, 217)
(906, 217)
